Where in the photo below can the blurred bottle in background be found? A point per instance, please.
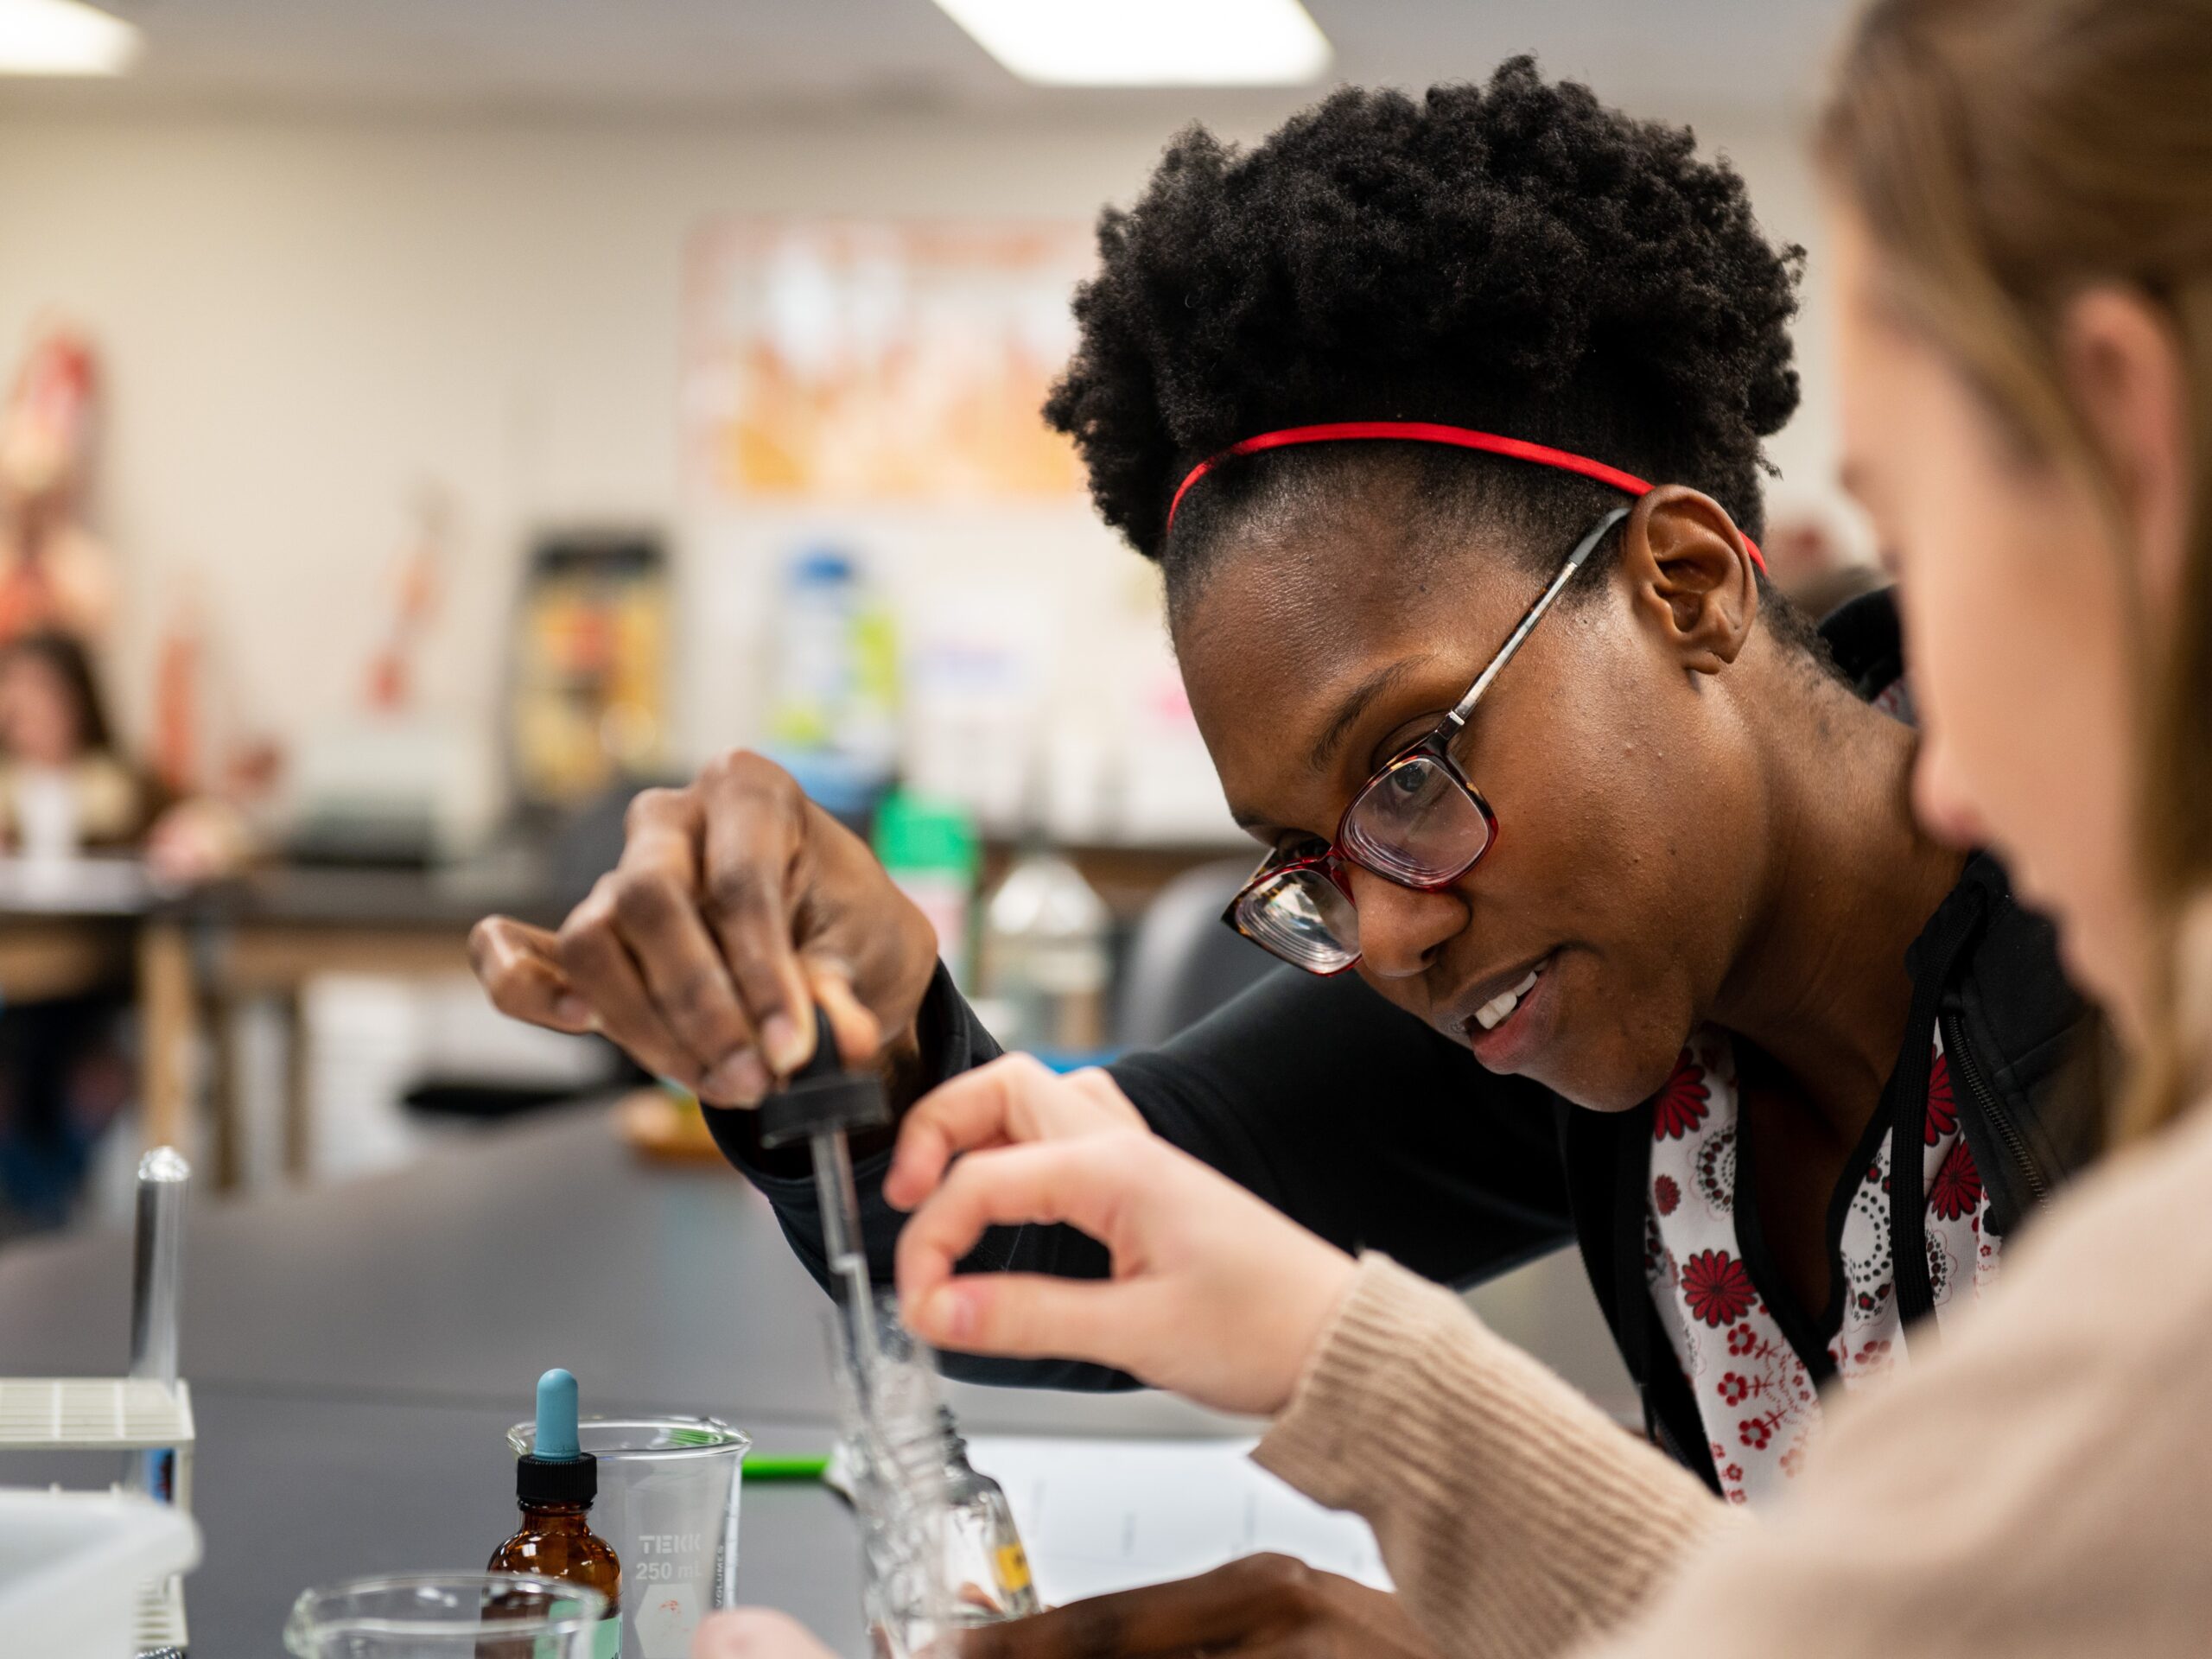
(1046, 960)
(586, 689)
(833, 698)
(931, 850)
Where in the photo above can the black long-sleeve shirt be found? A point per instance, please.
(1346, 1113)
(1363, 1125)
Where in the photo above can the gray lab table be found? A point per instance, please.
(356, 1351)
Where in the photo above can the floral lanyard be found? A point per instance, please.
(1755, 1393)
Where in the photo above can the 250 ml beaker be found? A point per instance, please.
(668, 1499)
(446, 1615)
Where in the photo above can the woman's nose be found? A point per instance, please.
(1401, 931)
(1941, 798)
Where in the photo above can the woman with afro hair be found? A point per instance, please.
(1604, 915)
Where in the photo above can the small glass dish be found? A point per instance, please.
(446, 1615)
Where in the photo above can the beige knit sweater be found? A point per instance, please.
(2040, 1484)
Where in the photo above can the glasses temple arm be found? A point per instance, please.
(1576, 560)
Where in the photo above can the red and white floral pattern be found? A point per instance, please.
(1754, 1391)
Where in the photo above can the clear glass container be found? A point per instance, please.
(668, 1503)
(445, 1616)
(939, 1549)
(986, 1572)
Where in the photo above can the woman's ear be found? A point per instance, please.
(2123, 363)
(1691, 575)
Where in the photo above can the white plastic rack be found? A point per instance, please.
(117, 1415)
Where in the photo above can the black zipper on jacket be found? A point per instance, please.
(1949, 933)
(1968, 1069)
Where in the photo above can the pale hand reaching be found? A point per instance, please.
(1211, 1293)
(756, 1633)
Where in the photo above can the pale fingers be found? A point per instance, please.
(1014, 1098)
(1097, 1084)
(1032, 1316)
(756, 1633)
(1090, 1183)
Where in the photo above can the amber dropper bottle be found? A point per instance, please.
(555, 1483)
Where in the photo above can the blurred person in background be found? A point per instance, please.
(64, 786)
(65, 790)
(54, 574)
(2022, 197)
(64, 1075)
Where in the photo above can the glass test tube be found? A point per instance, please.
(841, 1237)
(156, 1285)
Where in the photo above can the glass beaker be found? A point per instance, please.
(668, 1500)
(445, 1616)
(940, 1550)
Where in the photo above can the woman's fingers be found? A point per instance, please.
(972, 1110)
(830, 984)
(1013, 1098)
(659, 926)
(1033, 1315)
(684, 949)
(519, 968)
(756, 1633)
(701, 951)
(596, 961)
(641, 960)
(1211, 1293)
(1095, 1183)
(753, 824)
(1098, 1084)
(1254, 1606)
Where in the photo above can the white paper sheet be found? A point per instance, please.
(1103, 1515)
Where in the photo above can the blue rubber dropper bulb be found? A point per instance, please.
(556, 1440)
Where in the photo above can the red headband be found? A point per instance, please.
(1458, 437)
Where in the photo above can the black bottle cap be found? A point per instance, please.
(551, 1480)
(824, 1095)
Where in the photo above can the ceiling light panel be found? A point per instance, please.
(64, 37)
(1148, 42)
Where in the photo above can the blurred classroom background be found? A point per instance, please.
(427, 422)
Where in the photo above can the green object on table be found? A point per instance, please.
(785, 1468)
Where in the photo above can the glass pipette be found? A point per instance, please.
(823, 1103)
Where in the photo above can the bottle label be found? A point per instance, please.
(1014, 1569)
(605, 1638)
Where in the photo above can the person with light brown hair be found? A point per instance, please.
(2022, 196)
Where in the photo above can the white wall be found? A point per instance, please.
(301, 321)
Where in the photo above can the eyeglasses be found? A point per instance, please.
(1417, 823)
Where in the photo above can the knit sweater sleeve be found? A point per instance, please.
(1515, 1516)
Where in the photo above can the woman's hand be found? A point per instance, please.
(1014, 1099)
(1261, 1607)
(737, 907)
(1212, 1293)
(756, 1633)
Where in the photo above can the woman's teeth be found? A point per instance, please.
(1492, 1014)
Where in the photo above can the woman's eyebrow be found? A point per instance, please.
(1354, 704)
